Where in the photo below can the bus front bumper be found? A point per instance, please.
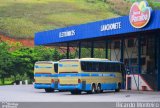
(43, 86)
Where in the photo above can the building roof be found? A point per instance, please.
(98, 29)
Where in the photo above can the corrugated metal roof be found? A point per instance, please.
(94, 30)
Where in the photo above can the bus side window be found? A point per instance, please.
(117, 67)
(95, 67)
(56, 68)
(84, 66)
(107, 69)
(112, 67)
(102, 67)
(89, 67)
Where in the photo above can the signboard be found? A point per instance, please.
(67, 33)
(140, 14)
(112, 26)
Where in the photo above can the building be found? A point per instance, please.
(133, 39)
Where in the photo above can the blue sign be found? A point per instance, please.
(104, 28)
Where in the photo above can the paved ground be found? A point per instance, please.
(23, 93)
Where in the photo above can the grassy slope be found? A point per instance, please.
(22, 18)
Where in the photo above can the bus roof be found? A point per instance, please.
(45, 62)
(89, 59)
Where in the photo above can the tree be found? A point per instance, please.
(5, 58)
(16, 60)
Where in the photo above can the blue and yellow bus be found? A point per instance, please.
(91, 75)
(46, 75)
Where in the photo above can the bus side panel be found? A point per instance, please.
(109, 86)
(68, 80)
(108, 82)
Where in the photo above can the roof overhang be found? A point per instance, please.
(94, 31)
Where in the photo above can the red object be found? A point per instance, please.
(144, 88)
(139, 16)
(79, 81)
(52, 80)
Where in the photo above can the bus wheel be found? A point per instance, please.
(49, 90)
(119, 87)
(93, 89)
(99, 88)
(76, 92)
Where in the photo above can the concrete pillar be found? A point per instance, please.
(20, 83)
(26, 82)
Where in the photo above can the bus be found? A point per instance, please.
(46, 75)
(91, 75)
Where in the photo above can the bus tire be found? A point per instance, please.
(89, 92)
(75, 92)
(93, 89)
(49, 90)
(118, 88)
(101, 91)
(99, 88)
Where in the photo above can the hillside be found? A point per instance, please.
(22, 18)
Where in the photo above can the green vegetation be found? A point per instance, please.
(17, 62)
(122, 7)
(22, 18)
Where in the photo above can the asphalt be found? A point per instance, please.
(27, 93)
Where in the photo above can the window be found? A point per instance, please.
(130, 43)
(95, 67)
(108, 67)
(56, 68)
(117, 67)
(100, 66)
(86, 66)
(89, 66)
(83, 66)
(116, 44)
(114, 67)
